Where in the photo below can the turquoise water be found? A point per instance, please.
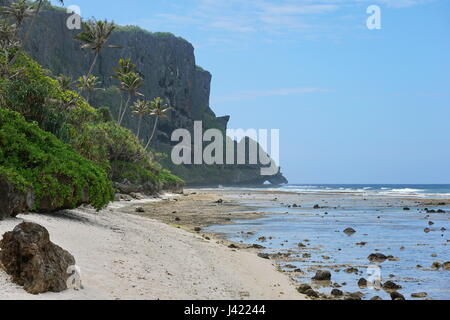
(380, 221)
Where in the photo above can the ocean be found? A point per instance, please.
(400, 221)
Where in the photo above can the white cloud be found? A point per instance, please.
(233, 18)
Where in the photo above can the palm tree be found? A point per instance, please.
(141, 108)
(8, 33)
(94, 36)
(159, 110)
(130, 82)
(125, 66)
(30, 27)
(65, 82)
(18, 11)
(89, 84)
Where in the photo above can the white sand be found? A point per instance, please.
(124, 256)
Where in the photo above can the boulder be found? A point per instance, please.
(322, 275)
(349, 231)
(33, 261)
(389, 285)
(303, 288)
(362, 283)
(446, 265)
(377, 257)
(436, 265)
(397, 296)
(419, 295)
(337, 293)
(13, 201)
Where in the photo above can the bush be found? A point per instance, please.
(59, 177)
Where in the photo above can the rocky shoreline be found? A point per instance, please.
(199, 209)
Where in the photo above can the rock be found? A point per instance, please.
(362, 244)
(362, 283)
(426, 230)
(264, 255)
(390, 285)
(406, 209)
(430, 223)
(349, 231)
(233, 246)
(316, 206)
(322, 275)
(440, 211)
(301, 245)
(376, 298)
(306, 256)
(351, 270)
(303, 288)
(262, 239)
(197, 229)
(311, 293)
(140, 210)
(436, 265)
(355, 296)
(13, 201)
(256, 246)
(377, 257)
(337, 293)
(419, 295)
(33, 261)
(397, 296)
(137, 196)
(446, 265)
(177, 219)
(220, 201)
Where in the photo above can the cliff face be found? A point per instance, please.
(167, 64)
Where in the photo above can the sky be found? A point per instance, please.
(353, 105)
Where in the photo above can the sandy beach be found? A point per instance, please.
(126, 256)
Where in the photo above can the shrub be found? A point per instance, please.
(59, 176)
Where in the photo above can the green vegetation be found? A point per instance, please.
(59, 177)
(54, 143)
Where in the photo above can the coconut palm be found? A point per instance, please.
(124, 67)
(18, 11)
(89, 84)
(159, 110)
(130, 83)
(30, 27)
(94, 36)
(8, 37)
(141, 108)
(65, 82)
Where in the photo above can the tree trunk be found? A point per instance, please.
(120, 108)
(125, 109)
(93, 63)
(153, 133)
(139, 127)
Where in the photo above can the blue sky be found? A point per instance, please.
(353, 105)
